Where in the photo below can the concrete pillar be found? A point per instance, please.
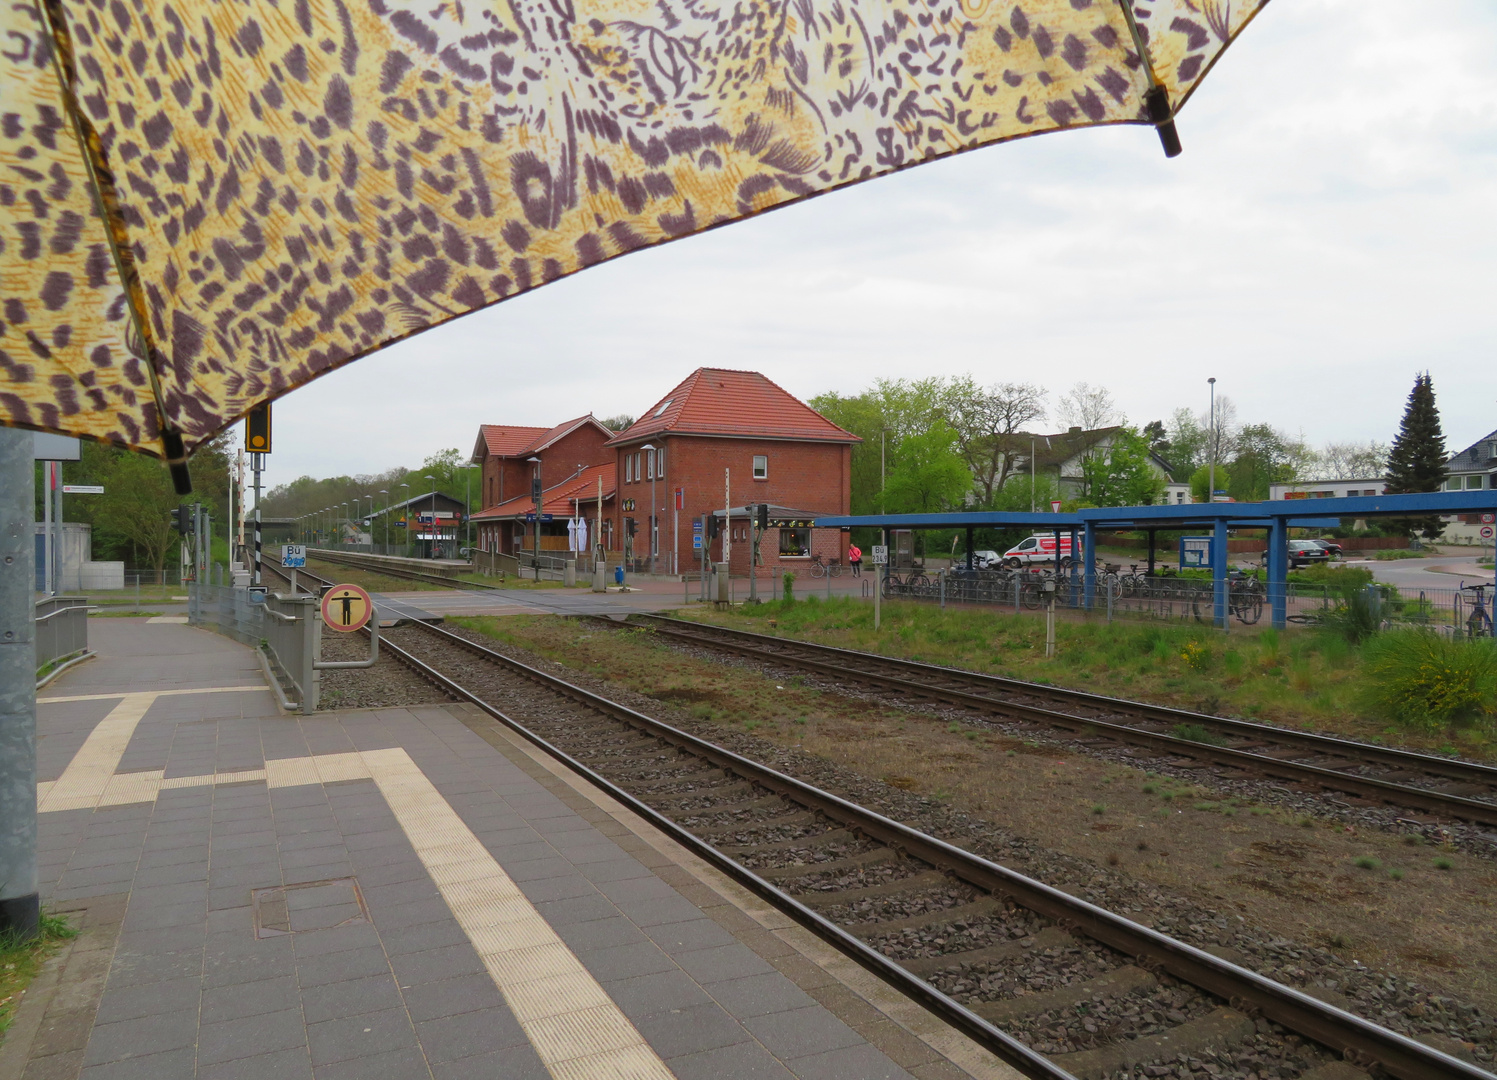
(1219, 574)
(1278, 571)
(1089, 535)
(20, 908)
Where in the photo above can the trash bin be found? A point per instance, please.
(618, 575)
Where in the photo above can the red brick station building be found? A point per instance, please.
(721, 439)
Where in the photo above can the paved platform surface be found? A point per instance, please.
(402, 893)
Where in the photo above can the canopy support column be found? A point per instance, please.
(970, 531)
(1089, 534)
(20, 909)
(1219, 574)
(1278, 567)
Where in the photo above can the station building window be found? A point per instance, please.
(795, 543)
(761, 467)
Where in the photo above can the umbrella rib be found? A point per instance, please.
(1156, 98)
(106, 203)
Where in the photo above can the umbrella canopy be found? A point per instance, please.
(205, 205)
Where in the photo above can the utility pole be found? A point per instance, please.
(728, 523)
(20, 904)
(1211, 469)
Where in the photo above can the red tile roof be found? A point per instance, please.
(717, 401)
(557, 500)
(509, 441)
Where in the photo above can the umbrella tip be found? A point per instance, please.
(1162, 116)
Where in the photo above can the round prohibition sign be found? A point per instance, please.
(346, 608)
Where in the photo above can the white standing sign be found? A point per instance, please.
(880, 554)
(293, 555)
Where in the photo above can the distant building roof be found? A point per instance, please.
(725, 403)
(420, 502)
(1052, 451)
(559, 498)
(1477, 457)
(509, 441)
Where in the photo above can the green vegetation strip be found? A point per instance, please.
(19, 963)
(1405, 687)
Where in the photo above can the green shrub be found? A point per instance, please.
(1425, 681)
(788, 588)
(1356, 616)
(1345, 577)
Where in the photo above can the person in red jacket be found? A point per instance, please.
(855, 559)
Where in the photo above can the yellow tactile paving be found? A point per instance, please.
(153, 693)
(90, 772)
(569, 1019)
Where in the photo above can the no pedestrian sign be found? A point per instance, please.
(346, 608)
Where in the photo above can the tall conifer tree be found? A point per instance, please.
(1417, 461)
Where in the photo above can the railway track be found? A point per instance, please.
(353, 562)
(870, 886)
(1401, 778)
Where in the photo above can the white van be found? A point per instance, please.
(1039, 549)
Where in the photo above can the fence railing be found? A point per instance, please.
(1188, 599)
(293, 642)
(61, 624)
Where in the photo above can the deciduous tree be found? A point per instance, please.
(988, 422)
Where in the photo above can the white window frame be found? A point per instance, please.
(754, 470)
(660, 463)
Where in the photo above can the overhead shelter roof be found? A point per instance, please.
(419, 502)
(964, 519)
(732, 404)
(559, 498)
(1293, 511)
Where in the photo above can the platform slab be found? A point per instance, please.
(404, 892)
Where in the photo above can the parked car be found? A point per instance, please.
(986, 560)
(1039, 549)
(1303, 553)
(1330, 545)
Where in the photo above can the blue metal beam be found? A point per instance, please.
(1361, 506)
(979, 519)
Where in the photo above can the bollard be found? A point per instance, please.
(942, 575)
(569, 574)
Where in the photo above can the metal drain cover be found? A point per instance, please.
(307, 906)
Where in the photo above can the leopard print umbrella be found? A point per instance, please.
(206, 205)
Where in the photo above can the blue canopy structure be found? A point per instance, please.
(1277, 517)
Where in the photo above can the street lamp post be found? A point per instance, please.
(406, 502)
(650, 462)
(386, 494)
(434, 534)
(535, 497)
(1211, 428)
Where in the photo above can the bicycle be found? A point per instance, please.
(1479, 622)
(820, 568)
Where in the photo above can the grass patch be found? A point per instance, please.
(1443, 863)
(19, 963)
(1367, 862)
(1197, 733)
(1310, 679)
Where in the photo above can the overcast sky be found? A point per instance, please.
(1330, 230)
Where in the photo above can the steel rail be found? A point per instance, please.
(1342, 1031)
(1383, 790)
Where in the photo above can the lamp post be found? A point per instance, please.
(468, 504)
(386, 494)
(535, 497)
(434, 534)
(406, 502)
(649, 448)
(1211, 428)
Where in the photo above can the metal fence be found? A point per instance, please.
(61, 629)
(293, 643)
(1192, 599)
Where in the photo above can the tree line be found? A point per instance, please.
(941, 444)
